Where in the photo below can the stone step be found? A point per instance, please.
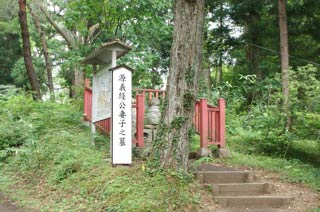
(219, 177)
(256, 210)
(242, 189)
(254, 202)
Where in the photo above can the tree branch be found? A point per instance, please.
(66, 35)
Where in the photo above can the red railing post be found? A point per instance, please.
(86, 99)
(140, 119)
(222, 122)
(203, 123)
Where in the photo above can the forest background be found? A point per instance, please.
(241, 63)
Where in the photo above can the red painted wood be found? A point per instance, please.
(140, 120)
(222, 122)
(87, 105)
(209, 121)
(150, 93)
(203, 123)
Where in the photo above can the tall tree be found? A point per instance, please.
(10, 49)
(284, 52)
(172, 143)
(45, 51)
(27, 51)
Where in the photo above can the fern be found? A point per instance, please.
(8, 152)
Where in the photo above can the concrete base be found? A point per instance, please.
(218, 177)
(223, 153)
(142, 152)
(205, 152)
(242, 189)
(258, 202)
(147, 135)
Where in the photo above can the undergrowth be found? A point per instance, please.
(54, 167)
(291, 170)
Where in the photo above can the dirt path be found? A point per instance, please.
(305, 199)
(8, 206)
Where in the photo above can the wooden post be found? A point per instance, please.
(222, 123)
(203, 123)
(85, 99)
(140, 119)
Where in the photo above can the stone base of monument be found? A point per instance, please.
(142, 152)
(223, 153)
(204, 152)
(147, 137)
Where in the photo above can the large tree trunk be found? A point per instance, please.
(77, 83)
(172, 143)
(73, 42)
(26, 50)
(284, 52)
(45, 51)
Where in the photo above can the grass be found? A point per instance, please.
(58, 169)
(291, 170)
(297, 161)
(54, 167)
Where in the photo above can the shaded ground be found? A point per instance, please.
(305, 199)
(8, 206)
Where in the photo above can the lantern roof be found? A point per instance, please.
(103, 54)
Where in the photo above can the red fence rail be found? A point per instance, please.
(151, 93)
(104, 126)
(209, 121)
(87, 101)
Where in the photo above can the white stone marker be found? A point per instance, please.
(121, 115)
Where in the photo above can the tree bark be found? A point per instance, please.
(284, 52)
(73, 43)
(172, 144)
(26, 50)
(64, 33)
(45, 50)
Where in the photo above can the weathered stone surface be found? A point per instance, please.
(147, 136)
(223, 153)
(242, 189)
(260, 202)
(205, 152)
(218, 177)
(149, 126)
(153, 115)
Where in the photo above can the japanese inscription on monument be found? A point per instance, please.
(101, 98)
(121, 116)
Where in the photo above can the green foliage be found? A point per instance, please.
(57, 158)
(202, 160)
(7, 91)
(291, 170)
(257, 127)
(9, 41)
(24, 120)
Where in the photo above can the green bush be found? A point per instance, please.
(24, 120)
(257, 126)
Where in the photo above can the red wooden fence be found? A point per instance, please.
(150, 93)
(105, 125)
(209, 121)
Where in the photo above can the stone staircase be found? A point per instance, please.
(236, 189)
